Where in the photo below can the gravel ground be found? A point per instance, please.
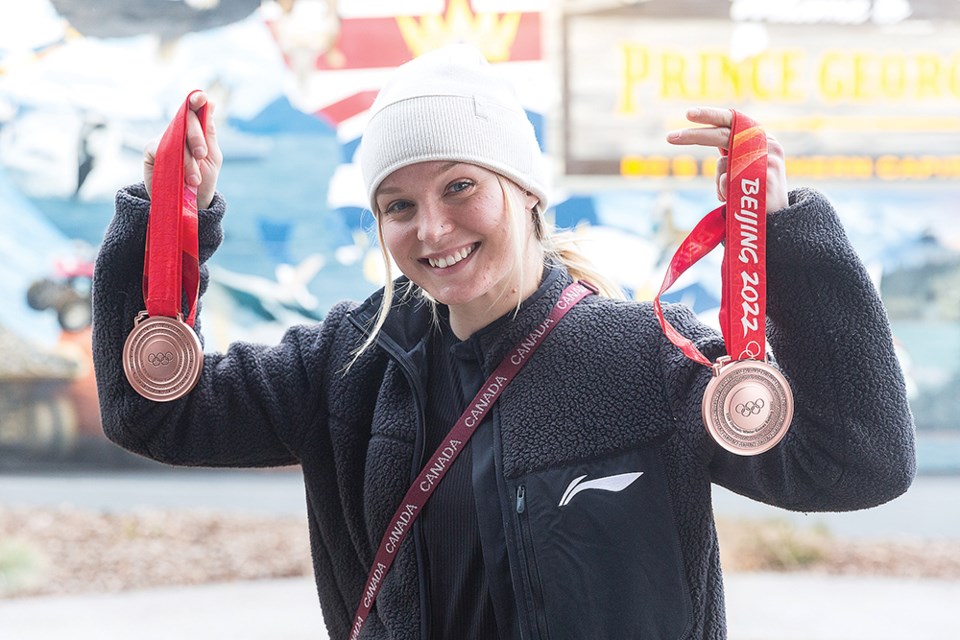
(774, 545)
(69, 550)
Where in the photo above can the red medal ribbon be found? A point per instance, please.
(448, 451)
(171, 259)
(742, 222)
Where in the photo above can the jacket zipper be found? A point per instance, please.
(507, 511)
(528, 561)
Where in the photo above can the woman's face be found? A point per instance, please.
(448, 229)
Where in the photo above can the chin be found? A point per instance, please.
(449, 299)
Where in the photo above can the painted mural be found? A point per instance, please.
(84, 86)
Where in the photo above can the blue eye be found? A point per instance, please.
(460, 185)
(397, 206)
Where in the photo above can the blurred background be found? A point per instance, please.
(863, 94)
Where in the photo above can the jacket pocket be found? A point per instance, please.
(600, 551)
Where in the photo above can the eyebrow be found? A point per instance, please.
(446, 166)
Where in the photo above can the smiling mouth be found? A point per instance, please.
(454, 258)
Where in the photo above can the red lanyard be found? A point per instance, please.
(162, 356)
(172, 253)
(742, 221)
(448, 451)
(747, 405)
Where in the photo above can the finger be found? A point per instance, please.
(195, 138)
(149, 158)
(715, 134)
(191, 170)
(777, 192)
(722, 162)
(198, 100)
(213, 147)
(710, 116)
(150, 152)
(721, 178)
(706, 136)
(774, 148)
(196, 142)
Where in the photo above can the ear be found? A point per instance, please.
(530, 201)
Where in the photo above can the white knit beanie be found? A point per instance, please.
(449, 104)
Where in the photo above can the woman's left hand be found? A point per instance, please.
(717, 134)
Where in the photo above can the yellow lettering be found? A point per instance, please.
(861, 77)
(684, 167)
(720, 78)
(830, 167)
(782, 75)
(709, 167)
(954, 79)
(928, 72)
(645, 166)
(891, 167)
(951, 168)
(858, 166)
(636, 69)
(893, 77)
(819, 167)
(713, 76)
(872, 76)
(673, 69)
(886, 168)
(761, 74)
(792, 78)
(831, 76)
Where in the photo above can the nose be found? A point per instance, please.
(433, 223)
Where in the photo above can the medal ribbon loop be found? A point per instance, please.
(171, 258)
(742, 222)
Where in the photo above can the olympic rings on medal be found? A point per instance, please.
(751, 351)
(160, 359)
(751, 408)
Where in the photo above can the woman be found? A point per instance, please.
(513, 543)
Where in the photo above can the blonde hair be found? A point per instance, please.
(559, 247)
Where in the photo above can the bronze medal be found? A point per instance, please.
(747, 406)
(162, 358)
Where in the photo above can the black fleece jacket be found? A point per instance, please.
(605, 395)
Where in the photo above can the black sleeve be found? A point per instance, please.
(252, 403)
(851, 442)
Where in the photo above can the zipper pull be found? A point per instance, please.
(521, 499)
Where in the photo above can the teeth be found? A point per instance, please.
(451, 260)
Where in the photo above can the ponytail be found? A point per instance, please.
(562, 247)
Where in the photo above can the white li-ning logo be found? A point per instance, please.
(609, 483)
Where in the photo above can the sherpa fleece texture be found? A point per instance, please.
(604, 381)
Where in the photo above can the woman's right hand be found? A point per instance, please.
(202, 157)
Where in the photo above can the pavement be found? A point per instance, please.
(260, 610)
(760, 606)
